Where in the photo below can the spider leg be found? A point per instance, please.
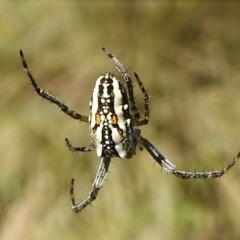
(146, 98)
(128, 81)
(170, 168)
(73, 148)
(98, 183)
(48, 96)
(165, 163)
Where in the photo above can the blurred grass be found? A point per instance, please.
(188, 56)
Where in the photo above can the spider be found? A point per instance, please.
(114, 124)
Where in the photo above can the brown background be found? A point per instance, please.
(188, 56)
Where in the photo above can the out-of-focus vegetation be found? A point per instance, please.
(188, 56)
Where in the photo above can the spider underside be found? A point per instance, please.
(129, 134)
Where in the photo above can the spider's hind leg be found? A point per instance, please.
(128, 82)
(136, 115)
(146, 98)
(48, 96)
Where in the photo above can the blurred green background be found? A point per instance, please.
(188, 56)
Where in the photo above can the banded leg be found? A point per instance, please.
(146, 98)
(160, 159)
(48, 96)
(73, 148)
(128, 81)
(98, 183)
(170, 168)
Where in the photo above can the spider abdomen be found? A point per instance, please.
(110, 120)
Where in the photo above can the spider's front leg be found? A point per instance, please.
(98, 183)
(170, 168)
(73, 148)
(164, 162)
(48, 96)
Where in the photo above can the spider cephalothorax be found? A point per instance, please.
(114, 120)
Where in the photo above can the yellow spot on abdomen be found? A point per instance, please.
(97, 118)
(114, 119)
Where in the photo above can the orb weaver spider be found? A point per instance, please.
(114, 124)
